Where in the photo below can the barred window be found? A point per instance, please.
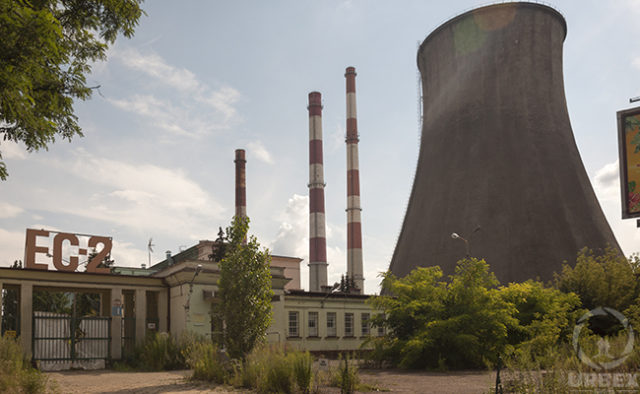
(331, 324)
(313, 324)
(348, 324)
(364, 321)
(294, 324)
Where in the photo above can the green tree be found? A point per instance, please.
(46, 51)
(245, 290)
(608, 280)
(545, 317)
(460, 323)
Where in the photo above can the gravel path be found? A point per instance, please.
(111, 382)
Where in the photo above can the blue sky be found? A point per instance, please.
(201, 79)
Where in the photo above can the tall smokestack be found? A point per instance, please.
(317, 234)
(354, 224)
(241, 188)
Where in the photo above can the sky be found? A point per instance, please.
(201, 79)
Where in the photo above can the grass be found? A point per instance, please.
(17, 375)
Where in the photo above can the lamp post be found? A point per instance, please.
(466, 243)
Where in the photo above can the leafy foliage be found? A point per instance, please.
(17, 375)
(606, 279)
(462, 323)
(245, 290)
(545, 317)
(45, 54)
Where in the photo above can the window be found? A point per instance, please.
(348, 324)
(364, 320)
(313, 324)
(331, 324)
(294, 324)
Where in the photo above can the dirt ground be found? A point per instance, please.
(111, 382)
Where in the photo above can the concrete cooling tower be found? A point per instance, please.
(498, 162)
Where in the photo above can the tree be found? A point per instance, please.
(607, 280)
(245, 290)
(545, 317)
(460, 323)
(45, 54)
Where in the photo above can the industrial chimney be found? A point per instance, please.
(498, 162)
(317, 234)
(241, 189)
(354, 224)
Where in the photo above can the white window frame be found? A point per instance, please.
(293, 330)
(349, 319)
(365, 324)
(312, 324)
(332, 324)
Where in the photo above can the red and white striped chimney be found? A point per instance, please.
(317, 234)
(241, 188)
(354, 224)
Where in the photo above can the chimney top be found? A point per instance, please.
(350, 70)
(315, 99)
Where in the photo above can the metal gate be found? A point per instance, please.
(64, 342)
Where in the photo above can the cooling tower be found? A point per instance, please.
(498, 162)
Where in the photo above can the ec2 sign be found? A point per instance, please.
(31, 248)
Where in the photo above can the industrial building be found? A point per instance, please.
(498, 167)
(178, 294)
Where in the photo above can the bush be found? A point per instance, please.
(207, 362)
(349, 378)
(302, 372)
(267, 369)
(17, 375)
(161, 352)
(460, 323)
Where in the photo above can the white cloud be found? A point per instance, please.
(257, 150)
(633, 5)
(11, 244)
(293, 240)
(155, 66)
(293, 234)
(636, 62)
(9, 211)
(606, 182)
(145, 198)
(194, 109)
(124, 254)
(222, 100)
(11, 150)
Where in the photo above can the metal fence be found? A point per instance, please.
(63, 341)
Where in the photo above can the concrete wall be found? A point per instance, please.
(498, 161)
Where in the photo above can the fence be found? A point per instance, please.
(64, 342)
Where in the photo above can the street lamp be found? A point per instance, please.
(466, 243)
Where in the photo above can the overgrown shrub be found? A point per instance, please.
(267, 369)
(161, 352)
(460, 323)
(17, 375)
(346, 376)
(207, 362)
(302, 372)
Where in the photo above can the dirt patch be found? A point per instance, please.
(429, 382)
(106, 381)
(111, 382)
